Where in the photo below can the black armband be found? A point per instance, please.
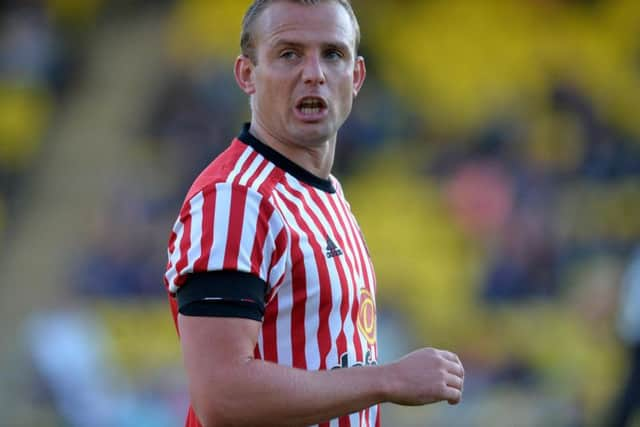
(223, 293)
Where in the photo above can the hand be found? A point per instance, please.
(426, 376)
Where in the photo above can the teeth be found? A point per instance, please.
(310, 110)
(311, 103)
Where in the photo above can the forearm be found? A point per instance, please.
(255, 392)
(229, 388)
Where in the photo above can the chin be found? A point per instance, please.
(313, 133)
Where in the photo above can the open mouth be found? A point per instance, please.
(311, 106)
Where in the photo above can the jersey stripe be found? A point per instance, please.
(256, 351)
(334, 265)
(369, 277)
(355, 419)
(258, 256)
(240, 164)
(220, 227)
(178, 259)
(253, 161)
(346, 227)
(374, 414)
(302, 273)
(366, 262)
(261, 175)
(279, 259)
(355, 279)
(329, 296)
(271, 350)
(347, 219)
(236, 226)
(248, 232)
(185, 241)
(169, 269)
(355, 307)
(195, 235)
(324, 337)
(206, 239)
(172, 273)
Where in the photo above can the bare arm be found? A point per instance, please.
(230, 388)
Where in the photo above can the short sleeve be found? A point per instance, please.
(227, 227)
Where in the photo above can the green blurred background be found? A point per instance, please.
(492, 159)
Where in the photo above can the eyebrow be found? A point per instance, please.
(338, 46)
(288, 43)
(329, 45)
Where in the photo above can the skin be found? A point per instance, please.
(227, 386)
(302, 51)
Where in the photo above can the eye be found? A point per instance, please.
(288, 54)
(333, 54)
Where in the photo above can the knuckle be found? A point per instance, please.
(442, 388)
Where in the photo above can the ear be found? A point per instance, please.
(359, 74)
(243, 71)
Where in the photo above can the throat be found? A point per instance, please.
(314, 157)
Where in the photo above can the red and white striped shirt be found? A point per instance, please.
(254, 211)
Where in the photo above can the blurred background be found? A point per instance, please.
(492, 159)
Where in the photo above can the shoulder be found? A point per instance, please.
(336, 183)
(224, 226)
(240, 168)
(227, 199)
(338, 186)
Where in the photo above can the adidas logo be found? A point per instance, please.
(332, 249)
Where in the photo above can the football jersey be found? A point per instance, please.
(252, 210)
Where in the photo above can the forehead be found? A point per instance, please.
(325, 22)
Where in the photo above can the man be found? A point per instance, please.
(269, 277)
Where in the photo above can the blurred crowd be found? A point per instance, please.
(499, 144)
(36, 67)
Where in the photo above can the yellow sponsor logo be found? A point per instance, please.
(367, 316)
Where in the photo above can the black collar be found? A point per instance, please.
(284, 163)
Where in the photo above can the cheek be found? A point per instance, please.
(346, 92)
(276, 92)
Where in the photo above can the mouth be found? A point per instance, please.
(311, 107)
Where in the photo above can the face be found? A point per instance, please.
(306, 72)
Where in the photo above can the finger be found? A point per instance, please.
(453, 396)
(450, 356)
(454, 368)
(454, 364)
(454, 381)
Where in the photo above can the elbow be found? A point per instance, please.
(209, 418)
(212, 411)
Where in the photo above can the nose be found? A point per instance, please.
(313, 73)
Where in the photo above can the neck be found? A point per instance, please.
(315, 158)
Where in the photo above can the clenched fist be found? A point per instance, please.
(425, 376)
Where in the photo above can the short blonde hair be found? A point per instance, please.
(247, 42)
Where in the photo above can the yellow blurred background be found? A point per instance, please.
(492, 159)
